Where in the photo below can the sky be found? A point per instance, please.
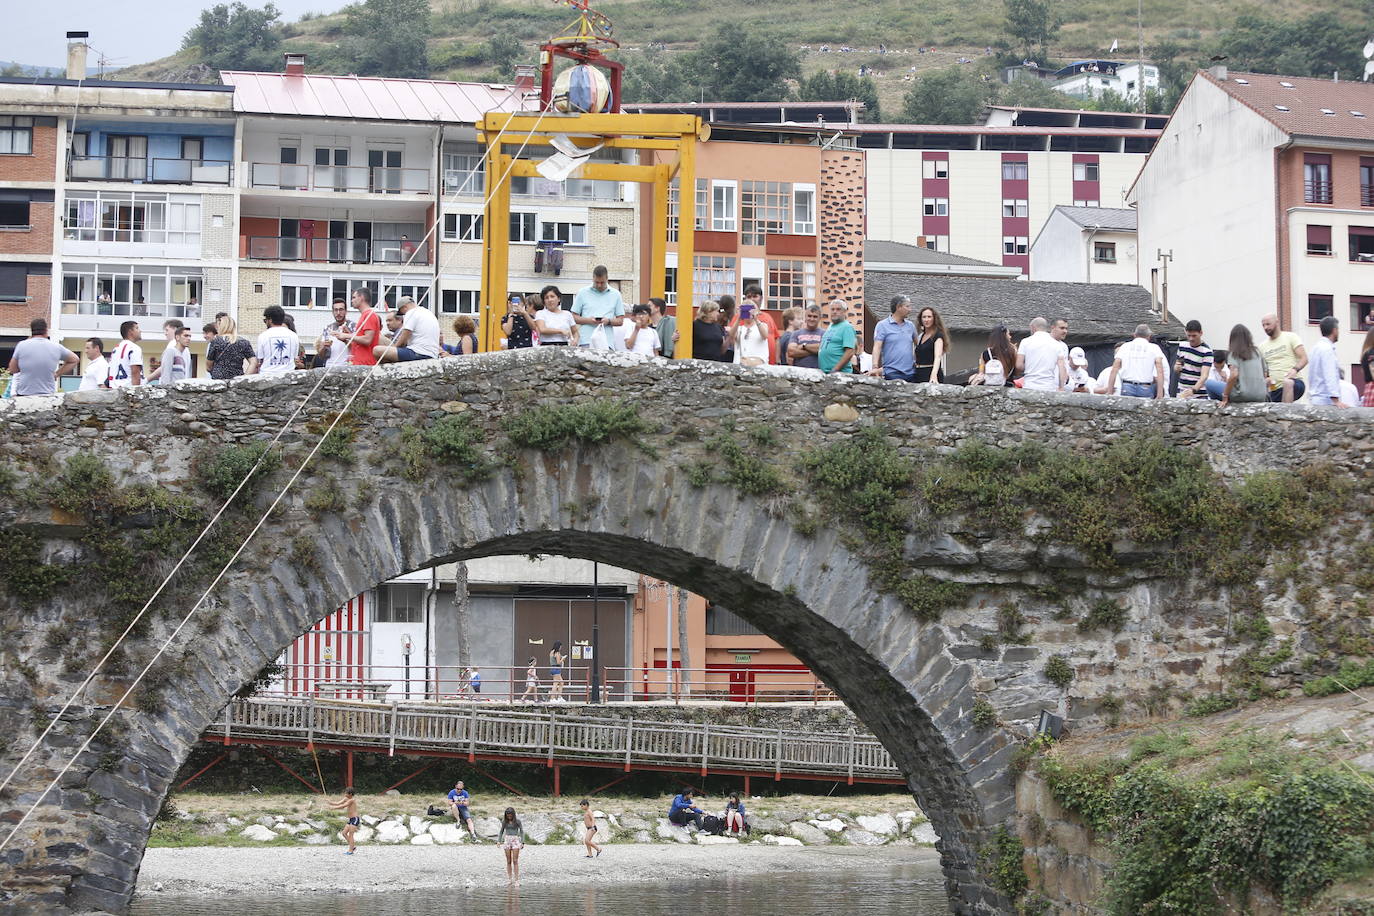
(126, 31)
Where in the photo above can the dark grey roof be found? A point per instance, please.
(93, 83)
(1096, 311)
(1101, 217)
(901, 252)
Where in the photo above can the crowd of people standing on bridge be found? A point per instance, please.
(910, 344)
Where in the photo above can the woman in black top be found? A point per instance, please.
(516, 325)
(728, 310)
(931, 345)
(708, 337)
(228, 351)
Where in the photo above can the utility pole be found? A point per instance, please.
(1140, 61)
(1166, 257)
(596, 632)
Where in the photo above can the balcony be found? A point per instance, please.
(339, 178)
(144, 170)
(337, 251)
(1317, 192)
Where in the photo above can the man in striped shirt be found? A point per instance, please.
(1194, 363)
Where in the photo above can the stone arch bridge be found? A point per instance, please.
(105, 485)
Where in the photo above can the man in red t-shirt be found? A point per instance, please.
(367, 332)
(754, 294)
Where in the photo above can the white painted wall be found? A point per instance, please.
(1207, 194)
(975, 194)
(1064, 252)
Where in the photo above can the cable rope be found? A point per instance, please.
(237, 553)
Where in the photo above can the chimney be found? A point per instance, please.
(295, 64)
(1218, 71)
(76, 55)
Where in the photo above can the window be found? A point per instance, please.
(464, 173)
(16, 135)
(1362, 313)
(1366, 182)
(14, 282)
(1104, 252)
(703, 198)
(791, 283)
(1015, 208)
(1085, 171)
(400, 604)
(134, 291)
(1319, 240)
(713, 276)
(14, 214)
(1316, 179)
(460, 302)
(670, 285)
(462, 227)
(114, 216)
(1014, 171)
(765, 207)
(1318, 307)
(572, 233)
(1015, 244)
(672, 210)
(723, 209)
(288, 155)
(1087, 203)
(304, 297)
(803, 210)
(522, 227)
(935, 206)
(934, 242)
(81, 143)
(935, 168)
(1362, 243)
(722, 622)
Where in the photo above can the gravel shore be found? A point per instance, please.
(218, 871)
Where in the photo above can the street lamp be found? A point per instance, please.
(596, 632)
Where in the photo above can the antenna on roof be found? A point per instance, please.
(1368, 59)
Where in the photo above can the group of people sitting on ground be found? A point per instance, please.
(683, 812)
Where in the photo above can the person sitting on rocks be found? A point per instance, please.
(683, 810)
(734, 815)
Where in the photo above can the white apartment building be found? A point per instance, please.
(1092, 79)
(1087, 245)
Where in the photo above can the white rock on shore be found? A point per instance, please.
(884, 824)
(258, 833)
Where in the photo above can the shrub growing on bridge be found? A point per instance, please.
(549, 427)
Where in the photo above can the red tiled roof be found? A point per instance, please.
(1017, 130)
(1304, 106)
(368, 98)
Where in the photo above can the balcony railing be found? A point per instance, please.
(338, 251)
(146, 170)
(1366, 195)
(341, 178)
(1317, 192)
(104, 308)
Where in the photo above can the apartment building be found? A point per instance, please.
(983, 191)
(120, 203)
(1262, 187)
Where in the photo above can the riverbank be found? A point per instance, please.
(210, 872)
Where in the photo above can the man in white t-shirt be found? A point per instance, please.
(417, 339)
(176, 358)
(97, 366)
(333, 352)
(1059, 330)
(126, 362)
(278, 346)
(642, 338)
(1142, 367)
(1042, 360)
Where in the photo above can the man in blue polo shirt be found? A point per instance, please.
(458, 802)
(598, 306)
(894, 344)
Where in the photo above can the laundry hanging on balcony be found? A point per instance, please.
(548, 257)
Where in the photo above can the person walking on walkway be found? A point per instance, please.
(531, 693)
(556, 659)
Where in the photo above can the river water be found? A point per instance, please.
(915, 889)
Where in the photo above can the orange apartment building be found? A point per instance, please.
(28, 183)
(781, 206)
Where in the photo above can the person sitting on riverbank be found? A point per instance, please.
(458, 801)
(683, 810)
(734, 815)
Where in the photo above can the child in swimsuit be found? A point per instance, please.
(589, 839)
(512, 840)
(349, 805)
(531, 683)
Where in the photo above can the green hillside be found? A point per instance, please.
(896, 41)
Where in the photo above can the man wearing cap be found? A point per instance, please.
(1141, 364)
(1079, 379)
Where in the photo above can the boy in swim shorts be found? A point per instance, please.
(349, 805)
(589, 822)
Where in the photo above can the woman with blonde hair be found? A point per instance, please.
(228, 353)
(932, 343)
(708, 337)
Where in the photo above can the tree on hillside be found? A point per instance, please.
(840, 87)
(1316, 45)
(1029, 92)
(950, 96)
(389, 37)
(656, 76)
(1033, 23)
(734, 65)
(231, 36)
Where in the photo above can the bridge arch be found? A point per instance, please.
(913, 683)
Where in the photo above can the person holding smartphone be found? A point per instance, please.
(749, 336)
(596, 309)
(516, 325)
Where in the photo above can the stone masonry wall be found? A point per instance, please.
(843, 225)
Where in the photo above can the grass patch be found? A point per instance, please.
(1058, 671)
(552, 427)
(83, 485)
(1351, 676)
(220, 470)
(742, 469)
(454, 442)
(1104, 614)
